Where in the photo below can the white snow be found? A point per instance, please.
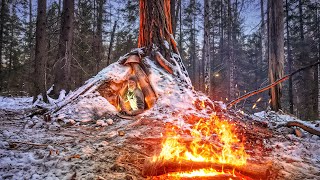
(13, 103)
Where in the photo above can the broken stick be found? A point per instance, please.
(249, 94)
(304, 127)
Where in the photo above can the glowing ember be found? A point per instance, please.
(209, 140)
(197, 173)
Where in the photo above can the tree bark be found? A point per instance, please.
(229, 54)
(62, 78)
(177, 12)
(98, 35)
(3, 4)
(172, 12)
(275, 49)
(156, 30)
(289, 59)
(156, 26)
(206, 49)
(318, 28)
(41, 53)
(111, 42)
(306, 83)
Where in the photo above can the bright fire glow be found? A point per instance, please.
(209, 140)
(197, 173)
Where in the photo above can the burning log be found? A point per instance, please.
(159, 167)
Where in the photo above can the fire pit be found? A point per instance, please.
(209, 149)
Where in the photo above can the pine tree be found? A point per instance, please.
(41, 53)
(275, 49)
(62, 71)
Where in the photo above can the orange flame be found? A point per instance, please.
(209, 140)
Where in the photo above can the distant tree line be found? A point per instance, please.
(65, 42)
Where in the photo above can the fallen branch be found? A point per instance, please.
(249, 94)
(304, 127)
(157, 168)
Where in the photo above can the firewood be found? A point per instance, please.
(159, 167)
(304, 127)
(150, 96)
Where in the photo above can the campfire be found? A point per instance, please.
(207, 149)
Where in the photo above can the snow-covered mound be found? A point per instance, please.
(173, 91)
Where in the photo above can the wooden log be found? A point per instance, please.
(157, 168)
(143, 81)
(217, 177)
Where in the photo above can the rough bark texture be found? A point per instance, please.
(111, 42)
(41, 52)
(289, 59)
(98, 47)
(318, 29)
(230, 59)
(1, 39)
(275, 49)
(156, 31)
(177, 12)
(156, 26)
(62, 66)
(172, 13)
(306, 83)
(206, 50)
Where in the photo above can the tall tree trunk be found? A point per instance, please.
(41, 53)
(111, 42)
(206, 49)
(264, 40)
(29, 71)
(221, 32)
(289, 59)
(229, 52)
(306, 83)
(3, 4)
(62, 78)
(180, 25)
(156, 29)
(275, 49)
(318, 28)
(11, 48)
(197, 80)
(177, 11)
(212, 48)
(173, 13)
(98, 47)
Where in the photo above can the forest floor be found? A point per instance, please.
(31, 148)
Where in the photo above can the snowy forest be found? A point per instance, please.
(160, 89)
(218, 34)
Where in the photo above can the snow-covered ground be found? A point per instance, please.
(31, 148)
